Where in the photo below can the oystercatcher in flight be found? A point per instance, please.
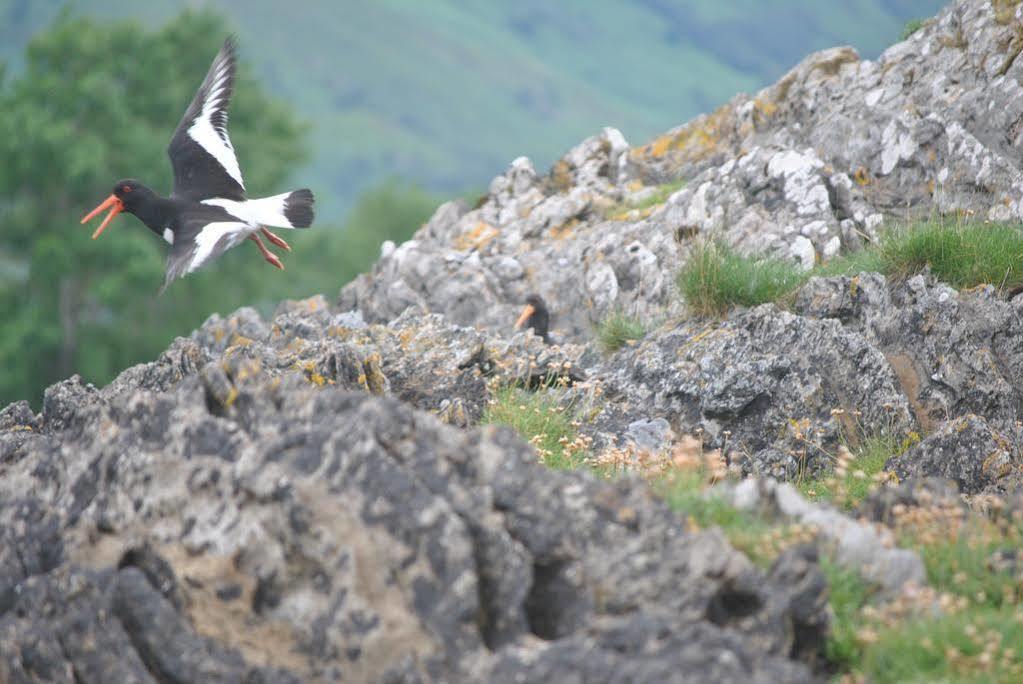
(207, 213)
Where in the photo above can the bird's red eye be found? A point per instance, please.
(125, 188)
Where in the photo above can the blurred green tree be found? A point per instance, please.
(97, 102)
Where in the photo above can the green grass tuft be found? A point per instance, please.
(716, 278)
(912, 26)
(617, 330)
(848, 483)
(963, 255)
(541, 419)
(861, 261)
(975, 646)
(659, 196)
(848, 593)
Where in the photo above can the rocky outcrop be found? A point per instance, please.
(296, 533)
(775, 391)
(308, 497)
(805, 168)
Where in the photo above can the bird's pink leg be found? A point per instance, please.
(267, 254)
(276, 240)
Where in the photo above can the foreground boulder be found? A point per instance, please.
(320, 534)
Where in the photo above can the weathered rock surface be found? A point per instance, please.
(297, 533)
(775, 391)
(805, 168)
(968, 452)
(276, 500)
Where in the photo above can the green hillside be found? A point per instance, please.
(447, 92)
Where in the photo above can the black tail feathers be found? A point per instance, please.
(298, 208)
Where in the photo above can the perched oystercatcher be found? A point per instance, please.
(207, 213)
(535, 315)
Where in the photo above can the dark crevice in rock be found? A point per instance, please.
(554, 605)
(731, 604)
(267, 595)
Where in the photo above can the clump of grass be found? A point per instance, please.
(912, 26)
(961, 254)
(969, 647)
(660, 195)
(541, 419)
(848, 594)
(617, 330)
(762, 540)
(855, 473)
(867, 260)
(716, 278)
(964, 255)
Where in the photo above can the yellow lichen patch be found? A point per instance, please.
(862, 176)
(296, 345)
(832, 65)
(694, 141)
(565, 230)
(249, 368)
(375, 381)
(317, 379)
(218, 334)
(634, 185)
(231, 396)
(561, 176)
(763, 109)
(1005, 10)
(477, 237)
(240, 340)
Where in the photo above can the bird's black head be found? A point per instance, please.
(131, 193)
(128, 195)
(535, 315)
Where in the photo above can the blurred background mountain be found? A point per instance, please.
(380, 107)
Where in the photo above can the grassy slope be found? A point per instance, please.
(447, 94)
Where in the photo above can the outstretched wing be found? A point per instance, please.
(200, 151)
(198, 243)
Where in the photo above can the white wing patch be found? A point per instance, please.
(206, 242)
(168, 235)
(203, 132)
(265, 211)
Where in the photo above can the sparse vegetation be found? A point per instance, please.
(855, 472)
(617, 330)
(967, 626)
(848, 594)
(543, 421)
(962, 254)
(658, 196)
(716, 278)
(912, 26)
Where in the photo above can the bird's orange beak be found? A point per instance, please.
(116, 207)
(524, 316)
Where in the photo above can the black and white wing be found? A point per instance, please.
(197, 243)
(200, 151)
